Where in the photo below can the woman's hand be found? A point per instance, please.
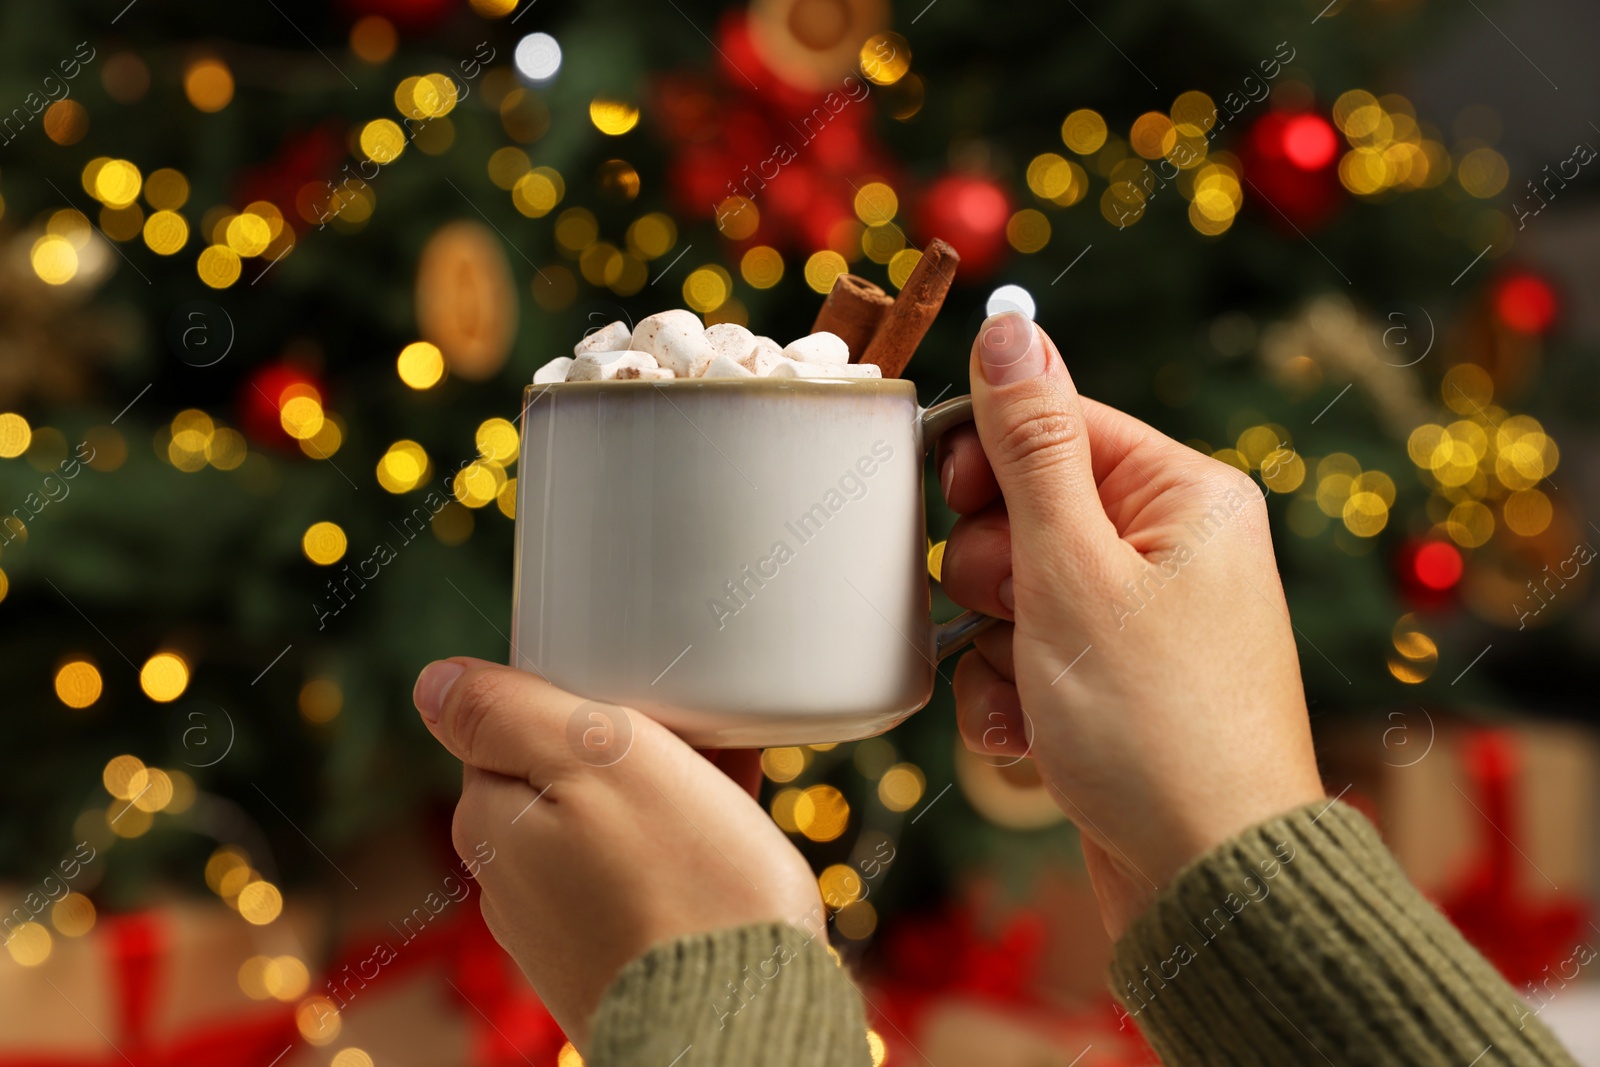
(609, 834)
(1151, 669)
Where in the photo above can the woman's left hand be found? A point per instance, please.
(597, 833)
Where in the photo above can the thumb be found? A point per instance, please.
(1031, 422)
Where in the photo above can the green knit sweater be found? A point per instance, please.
(1297, 942)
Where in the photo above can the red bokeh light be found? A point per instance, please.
(1437, 565)
(1309, 142)
(1526, 303)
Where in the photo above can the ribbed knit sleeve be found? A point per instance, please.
(1300, 941)
(766, 993)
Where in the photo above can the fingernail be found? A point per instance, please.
(1009, 348)
(1008, 598)
(432, 685)
(947, 476)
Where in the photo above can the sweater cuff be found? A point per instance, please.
(765, 993)
(1301, 941)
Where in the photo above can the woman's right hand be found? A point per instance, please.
(1149, 665)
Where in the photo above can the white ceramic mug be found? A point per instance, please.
(742, 560)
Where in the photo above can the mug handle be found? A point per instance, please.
(949, 637)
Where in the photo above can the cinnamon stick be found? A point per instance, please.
(913, 311)
(853, 310)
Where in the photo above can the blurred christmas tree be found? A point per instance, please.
(277, 274)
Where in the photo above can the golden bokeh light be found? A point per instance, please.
(127, 821)
(506, 499)
(54, 260)
(876, 202)
(29, 944)
(1365, 514)
(324, 543)
(317, 1019)
(497, 440)
(856, 920)
(78, 683)
(652, 235)
(166, 232)
(901, 265)
(355, 1057)
(382, 141)
(1527, 512)
(373, 39)
(403, 467)
(1483, 172)
(208, 83)
(260, 903)
(783, 764)
(66, 122)
(839, 885)
(1084, 132)
(1470, 524)
(166, 189)
(901, 787)
(219, 266)
(613, 117)
(420, 365)
(508, 164)
(301, 417)
(761, 267)
(477, 484)
(537, 192)
(248, 234)
(73, 915)
(164, 677)
(15, 434)
(707, 288)
(157, 791)
(823, 267)
(224, 860)
(885, 58)
(321, 700)
(936, 561)
(123, 776)
(821, 813)
(783, 807)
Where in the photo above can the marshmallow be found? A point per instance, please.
(791, 368)
(554, 371)
(605, 366)
(723, 367)
(764, 361)
(823, 347)
(731, 340)
(677, 340)
(613, 337)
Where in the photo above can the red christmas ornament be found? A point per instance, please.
(263, 396)
(1525, 302)
(1427, 573)
(1288, 159)
(1437, 565)
(971, 214)
(1309, 142)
